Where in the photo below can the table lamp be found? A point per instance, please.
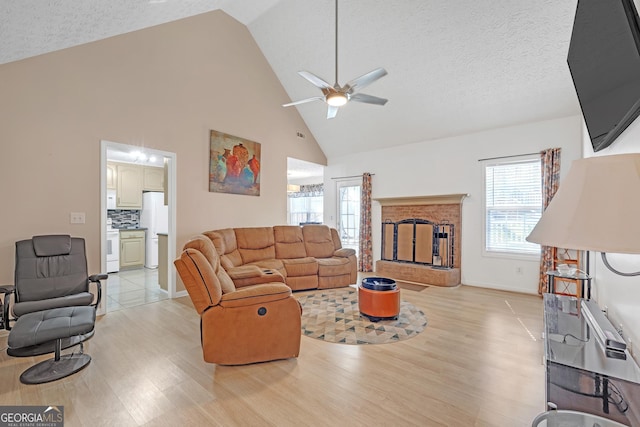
(596, 208)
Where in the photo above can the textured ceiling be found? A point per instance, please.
(455, 67)
(33, 27)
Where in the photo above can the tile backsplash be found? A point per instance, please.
(124, 218)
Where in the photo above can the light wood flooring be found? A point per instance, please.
(478, 363)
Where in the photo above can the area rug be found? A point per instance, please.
(332, 315)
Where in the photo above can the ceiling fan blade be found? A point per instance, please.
(367, 99)
(304, 101)
(365, 80)
(331, 112)
(315, 80)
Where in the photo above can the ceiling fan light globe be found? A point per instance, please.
(337, 99)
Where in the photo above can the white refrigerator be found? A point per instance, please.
(155, 218)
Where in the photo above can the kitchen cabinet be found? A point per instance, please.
(112, 176)
(129, 186)
(131, 248)
(153, 178)
(131, 180)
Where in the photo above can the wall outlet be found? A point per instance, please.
(77, 217)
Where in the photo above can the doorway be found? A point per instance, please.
(155, 162)
(348, 224)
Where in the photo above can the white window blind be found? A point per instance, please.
(513, 203)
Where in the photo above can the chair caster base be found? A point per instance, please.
(52, 370)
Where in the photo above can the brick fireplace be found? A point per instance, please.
(421, 239)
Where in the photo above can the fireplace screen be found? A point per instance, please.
(418, 241)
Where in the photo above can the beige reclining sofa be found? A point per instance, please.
(303, 257)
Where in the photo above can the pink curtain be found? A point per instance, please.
(550, 181)
(365, 258)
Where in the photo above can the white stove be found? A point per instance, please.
(113, 248)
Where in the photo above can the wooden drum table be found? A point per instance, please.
(379, 299)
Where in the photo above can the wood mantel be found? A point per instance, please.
(443, 199)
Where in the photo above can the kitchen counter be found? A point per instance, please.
(130, 228)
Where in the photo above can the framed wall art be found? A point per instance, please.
(234, 164)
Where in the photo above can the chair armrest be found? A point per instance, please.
(249, 275)
(255, 294)
(244, 272)
(344, 252)
(6, 290)
(96, 278)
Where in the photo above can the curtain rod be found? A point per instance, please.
(352, 176)
(507, 157)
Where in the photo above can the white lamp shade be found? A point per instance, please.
(596, 207)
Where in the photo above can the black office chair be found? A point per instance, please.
(52, 306)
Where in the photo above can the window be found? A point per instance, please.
(513, 205)
(306, 205)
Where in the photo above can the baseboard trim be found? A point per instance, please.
(182, 293)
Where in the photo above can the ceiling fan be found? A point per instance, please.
(336, 96)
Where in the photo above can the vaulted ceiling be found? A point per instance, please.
(455, 67)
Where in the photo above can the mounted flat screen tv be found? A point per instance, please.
(604, 60)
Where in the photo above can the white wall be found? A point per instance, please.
(621, 295)
(448, 166)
